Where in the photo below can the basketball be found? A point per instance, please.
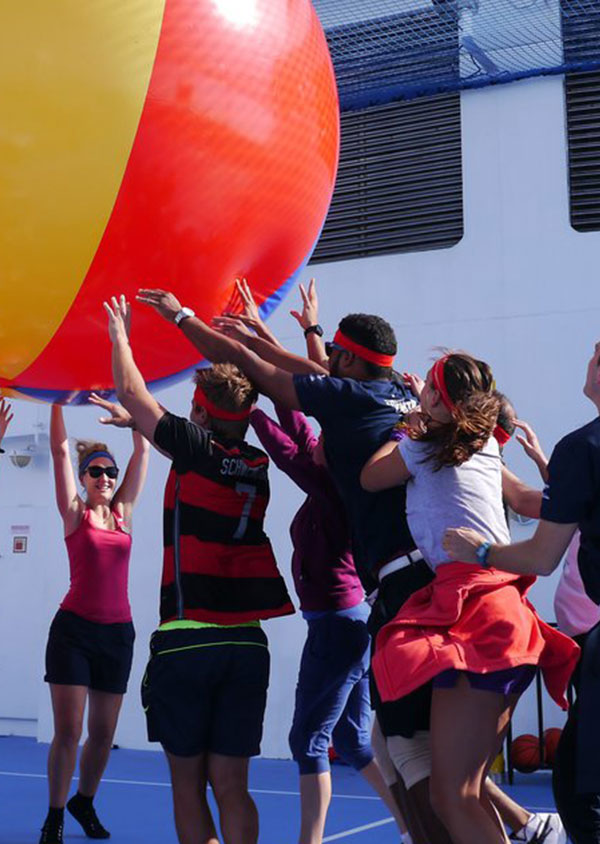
(551, 739)
(171, 143)
(525, 753)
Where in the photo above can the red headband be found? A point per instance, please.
(362, 351)
(439, 382)
(201, 399)
(501, 435)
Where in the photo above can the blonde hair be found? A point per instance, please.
(227, 387)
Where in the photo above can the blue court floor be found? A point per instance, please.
(134, 801)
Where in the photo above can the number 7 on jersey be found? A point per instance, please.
(249, 492)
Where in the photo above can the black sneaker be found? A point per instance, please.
(52, 833)
(87, 817)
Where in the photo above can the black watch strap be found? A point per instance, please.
(313, 329)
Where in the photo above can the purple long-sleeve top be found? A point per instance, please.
(322, 563)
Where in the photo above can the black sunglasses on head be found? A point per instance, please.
(96, 471)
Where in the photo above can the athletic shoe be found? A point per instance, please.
(52, 833)
(87, 817)
(542, 828)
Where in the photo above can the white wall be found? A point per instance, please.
(520, 290)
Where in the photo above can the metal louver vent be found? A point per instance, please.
(399, 185)
(581, 38)
(583, 127)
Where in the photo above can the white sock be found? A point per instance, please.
(533, 823)
(406, 838)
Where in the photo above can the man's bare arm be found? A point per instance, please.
(283, 359)
(218, 348)
(539, 555)
(130, 386)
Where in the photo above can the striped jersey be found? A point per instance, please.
(218, 564)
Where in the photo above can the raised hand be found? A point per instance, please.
(119, 417)
(234, 327)
(250, 307)
(163, 302)
(6, 415)
(250, 316)
(532, 447)
(529, 441)
(414, 382)
(118, 318)
(310, 306)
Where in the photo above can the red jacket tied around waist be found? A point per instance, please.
(470, 619)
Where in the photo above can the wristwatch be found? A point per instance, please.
(314, 329)
(482, 554)
(184, 313)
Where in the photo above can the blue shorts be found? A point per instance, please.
(509, 681)
(332, 695)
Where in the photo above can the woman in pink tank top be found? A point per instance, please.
(90, 645)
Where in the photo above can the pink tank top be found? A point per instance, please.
(99, 565)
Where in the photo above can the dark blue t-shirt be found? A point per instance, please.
(572, 495)
(357, 417)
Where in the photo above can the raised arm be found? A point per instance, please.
(284, 359)
(263, 342)
(69, 502)
(385, 469)
(218, 348)
(297, 426)
(285, 453)
(6, 416)
(129, 384)
(532, 447)
(308, 318)
(235, 329)
(250, 315)
(135, 475)
(523, 499)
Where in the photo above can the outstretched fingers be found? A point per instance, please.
(5, 411)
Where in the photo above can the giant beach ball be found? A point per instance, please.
(152, 143)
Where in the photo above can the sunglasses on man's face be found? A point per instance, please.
(331, 347)
(96, 471)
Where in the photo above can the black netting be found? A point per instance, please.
(384, 50)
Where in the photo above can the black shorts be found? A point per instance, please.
(84, 653)
(410, 713)
(205, 690)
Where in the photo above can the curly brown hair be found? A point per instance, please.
(227, 387)
(475, 404)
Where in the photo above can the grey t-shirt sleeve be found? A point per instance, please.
(412, 452)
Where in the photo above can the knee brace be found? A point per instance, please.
(411, 757)
(386, 765)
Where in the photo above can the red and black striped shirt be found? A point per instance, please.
(218, 563)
